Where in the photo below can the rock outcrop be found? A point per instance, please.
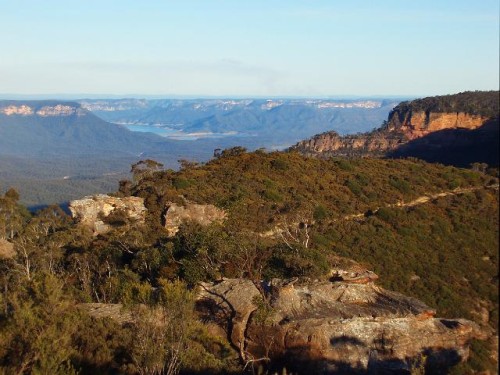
(407, 122)
(115, 311)
(92, 211)
(203, 214)
(328, 144)
(325, 327)
(418, 124)
(328, 327)
(21, 110)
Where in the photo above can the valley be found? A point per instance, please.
(267, 123)
(43, 141)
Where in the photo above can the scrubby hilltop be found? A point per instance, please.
(429, 231)
(454, 129)
(283, 246)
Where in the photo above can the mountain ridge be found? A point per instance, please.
(419, 121)
(261, 117)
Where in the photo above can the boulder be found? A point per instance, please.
(327, 327)
(91, 210)
(229, 303)
(203, 214)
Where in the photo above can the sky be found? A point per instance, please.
(201, 48)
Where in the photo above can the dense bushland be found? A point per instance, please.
(443, 252)
(484, 103)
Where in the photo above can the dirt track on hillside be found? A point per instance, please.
(418, 201)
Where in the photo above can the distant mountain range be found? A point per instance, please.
(273, 122)
(457, 129)
(54, 151)
(46, 128)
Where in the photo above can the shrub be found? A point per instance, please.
(181, 183)
(320, 213)
(354, 187)
(345, 165)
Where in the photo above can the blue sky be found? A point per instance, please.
(249, 48)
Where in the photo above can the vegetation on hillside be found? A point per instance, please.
(257, 188)
(443, 252)
(484, 103)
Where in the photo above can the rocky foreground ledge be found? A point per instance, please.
(333, 326)
(325, 327)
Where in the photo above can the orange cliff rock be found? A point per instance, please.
(407, 122)
(420, 123)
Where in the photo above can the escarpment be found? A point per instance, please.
(45, 108)
(328, 144)
(453, 124)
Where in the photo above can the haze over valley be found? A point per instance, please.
(54, 151)
(284, 121)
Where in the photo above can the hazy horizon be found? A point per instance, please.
(89, 96)
(230, 49)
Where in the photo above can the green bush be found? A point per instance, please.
(181, 183)
(320, 213)
(354, 187)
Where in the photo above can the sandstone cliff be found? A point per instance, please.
(41, 108)
(407, 122)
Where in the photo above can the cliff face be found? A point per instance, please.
(333, 326)
(407, 122)
(328, 144)
(42, 109)
(418, 124)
